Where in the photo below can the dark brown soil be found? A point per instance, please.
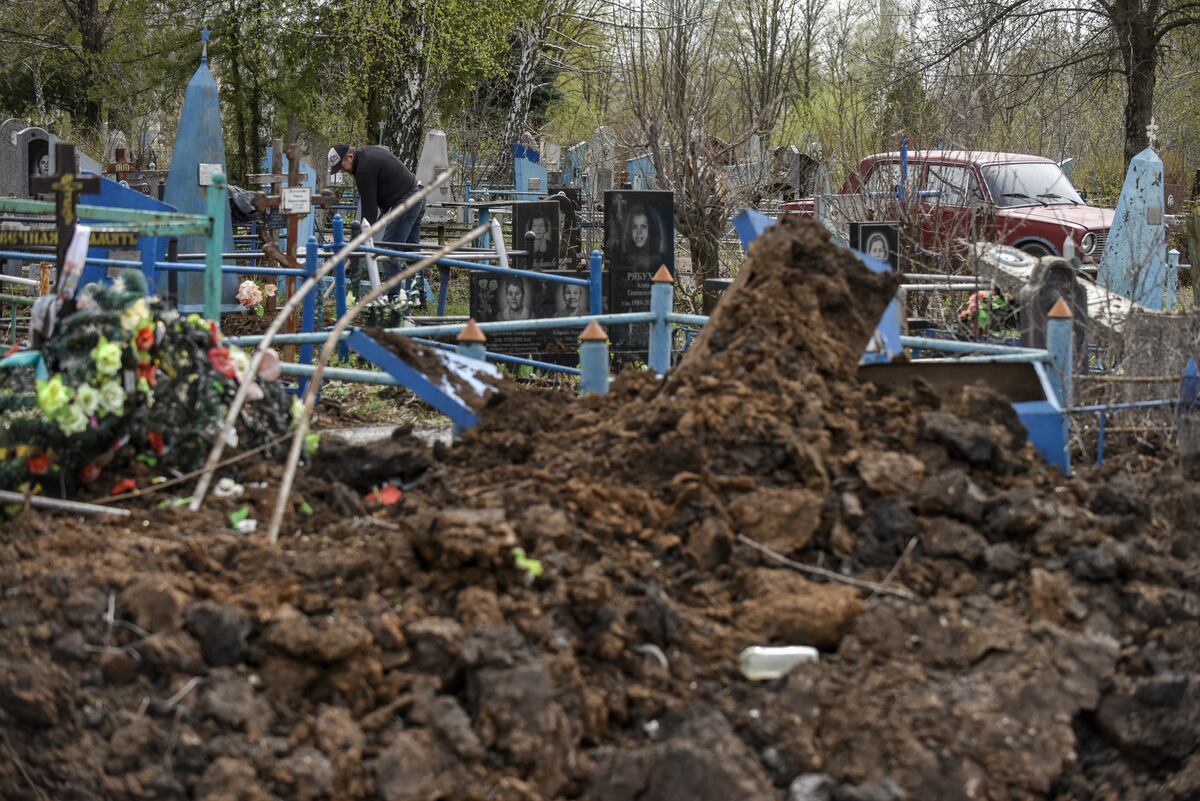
(1050, 651)
(245, 324)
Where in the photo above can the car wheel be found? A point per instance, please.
(1036, 249)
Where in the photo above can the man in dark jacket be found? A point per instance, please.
(383, 183)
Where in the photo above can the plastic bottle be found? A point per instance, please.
(763, 662)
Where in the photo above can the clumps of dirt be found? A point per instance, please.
(1049, 650)
(364, 465)
(245, 324)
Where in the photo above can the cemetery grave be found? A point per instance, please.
(555, 606)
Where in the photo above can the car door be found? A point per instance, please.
(952, 206)
(877, 199)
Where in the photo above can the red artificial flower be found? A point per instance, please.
(38, 465)
(213, 333)
(145, 338)
(149, 372)
(156, 442)
(124, 486)
(16, 347)
(89, 472)
(219, 359)
(386, 495)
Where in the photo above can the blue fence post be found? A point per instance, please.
(472, 343)
(216, 205)
(149, 269)
(595, 284)
(339, 277)
(172, 275)
(593, 359)
(443, 274)
(662, 300)
(1060, 341)
(310, 300)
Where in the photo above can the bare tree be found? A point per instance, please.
(766, 58)
(679, 89)
(404, 120)
(1122, 37)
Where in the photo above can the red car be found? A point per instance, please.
(1023, 201)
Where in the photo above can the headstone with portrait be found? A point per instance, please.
(497, 298)
(561, 345)
(541, 219)
(639, 237)
(505, 298)
(879, 240)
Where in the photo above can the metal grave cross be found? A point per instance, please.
(67, 187)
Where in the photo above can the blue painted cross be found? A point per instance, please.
(204, 34)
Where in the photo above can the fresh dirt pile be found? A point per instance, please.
(1050, 651)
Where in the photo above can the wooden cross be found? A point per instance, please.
(271, 202)
(67, 187)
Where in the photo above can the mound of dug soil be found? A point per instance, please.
(1049, 648)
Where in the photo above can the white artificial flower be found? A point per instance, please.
(72, 419)
(88, 398)
(112, 399)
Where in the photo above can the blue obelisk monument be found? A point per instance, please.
(1134, 263)
(198, 141)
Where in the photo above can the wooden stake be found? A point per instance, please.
(331, 343)
(239, 399)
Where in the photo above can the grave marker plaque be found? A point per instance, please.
(639, 237)
(541, 218)
(561, 345)
(503, 298)
(879, 240)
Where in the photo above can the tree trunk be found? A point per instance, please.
(530, 50)
(243, 164)
(91, 32)
(406, 115)
(404, 127)
(374, 114)
(1133, 25)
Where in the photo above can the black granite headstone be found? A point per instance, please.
(497, 298)
(541, 219)
(879, 240)
(639, 237)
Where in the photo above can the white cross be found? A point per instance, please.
(1152, 132)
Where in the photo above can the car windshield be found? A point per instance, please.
(1038, 184)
